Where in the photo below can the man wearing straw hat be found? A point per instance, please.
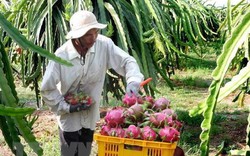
(91, 54)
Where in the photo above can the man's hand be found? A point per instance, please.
(133, 88)
(78, 108)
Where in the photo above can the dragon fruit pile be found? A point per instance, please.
(78, 98)
(143, 118)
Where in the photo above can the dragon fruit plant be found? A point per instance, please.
(78, 98)
(143, 118)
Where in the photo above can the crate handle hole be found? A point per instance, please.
(132, 147)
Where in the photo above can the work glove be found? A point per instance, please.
(133, 88)
(78, 108)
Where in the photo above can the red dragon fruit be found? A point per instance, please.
(170, 121)
(161, 103)
(70, 98)
(84, 99)
(115, 117)
(150, 100)
(140, 100)
(170, 112)
(169, 134)
(117, 132)
(105, 130)
(134, 113)
(158, 119)
(148, 133)
(78, 98)
(132, 132)
(177, 125)
(129, 100)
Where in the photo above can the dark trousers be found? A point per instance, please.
(76, 143)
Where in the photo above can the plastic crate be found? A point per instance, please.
(114, 146)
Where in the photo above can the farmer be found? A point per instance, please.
(91, 54)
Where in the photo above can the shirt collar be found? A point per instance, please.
(73, 53)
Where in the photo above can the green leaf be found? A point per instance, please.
(231, 46)
(7, 70)
(199, 109)
(49, 35)
(140, 31)
(13, 111)
(117, 21)
(208, 116)
(9, 100)
(23, 42)
(235, 82)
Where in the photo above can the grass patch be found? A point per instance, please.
(194, 62)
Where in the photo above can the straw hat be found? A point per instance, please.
(81, 22)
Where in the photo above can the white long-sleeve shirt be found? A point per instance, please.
(88, 78)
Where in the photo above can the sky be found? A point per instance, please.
(223, 2)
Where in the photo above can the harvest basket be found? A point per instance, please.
(114, 146)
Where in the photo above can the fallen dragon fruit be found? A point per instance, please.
(169, 134)
(132, 132)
